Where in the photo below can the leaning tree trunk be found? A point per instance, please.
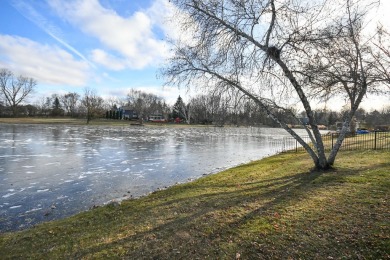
(346, 124)
(320, 162)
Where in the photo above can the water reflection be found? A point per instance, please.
(49, 172)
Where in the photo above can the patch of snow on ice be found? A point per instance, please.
(43, 190)
(32, 210)
(8, 195)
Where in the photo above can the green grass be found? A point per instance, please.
(276, 208)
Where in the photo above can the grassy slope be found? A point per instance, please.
(273, 208)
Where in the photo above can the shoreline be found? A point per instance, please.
(260, 209)
(118, 200)
(104, 122)
(37, 211)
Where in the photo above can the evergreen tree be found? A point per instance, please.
(56, 107)
(178, 108)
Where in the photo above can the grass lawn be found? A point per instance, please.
(276, 208)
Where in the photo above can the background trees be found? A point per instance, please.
(279, 54)
(56, 107)
(145, 104)
(181, 110)
(93, 104)
(15, 89)
(70, 102)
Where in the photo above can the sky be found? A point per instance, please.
(110, 46)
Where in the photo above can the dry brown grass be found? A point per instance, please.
(276, 208)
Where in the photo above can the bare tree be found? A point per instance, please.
(41, 104)
(69, 101)
(382, 53)
(15, 90)
(92, 103)
(347, 64)
(145, 104)
(268, 50)
(200, 109)
(186, 111)
(219, 105)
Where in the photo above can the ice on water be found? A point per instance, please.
(8, 195)
(77, 167)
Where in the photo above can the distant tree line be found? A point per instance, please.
(216, 108)
(223, 109)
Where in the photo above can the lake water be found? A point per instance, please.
(49, 172)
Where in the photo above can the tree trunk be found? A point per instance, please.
(320, 159)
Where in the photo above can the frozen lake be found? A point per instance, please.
(49, 172)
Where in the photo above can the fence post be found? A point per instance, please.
(332, 141)
(375, 140)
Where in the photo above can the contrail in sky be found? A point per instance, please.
(30, 13)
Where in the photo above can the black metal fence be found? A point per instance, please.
(377, 140)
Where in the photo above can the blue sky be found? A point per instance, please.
(108, 45)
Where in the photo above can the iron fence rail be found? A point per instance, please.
(377, 140)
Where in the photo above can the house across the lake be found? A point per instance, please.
(156, 118)
(128, 113)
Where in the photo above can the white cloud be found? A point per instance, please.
(164, 15)
(131, 38)
(107, 60)
(45, 63)
(55, 32)
(168, 18)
